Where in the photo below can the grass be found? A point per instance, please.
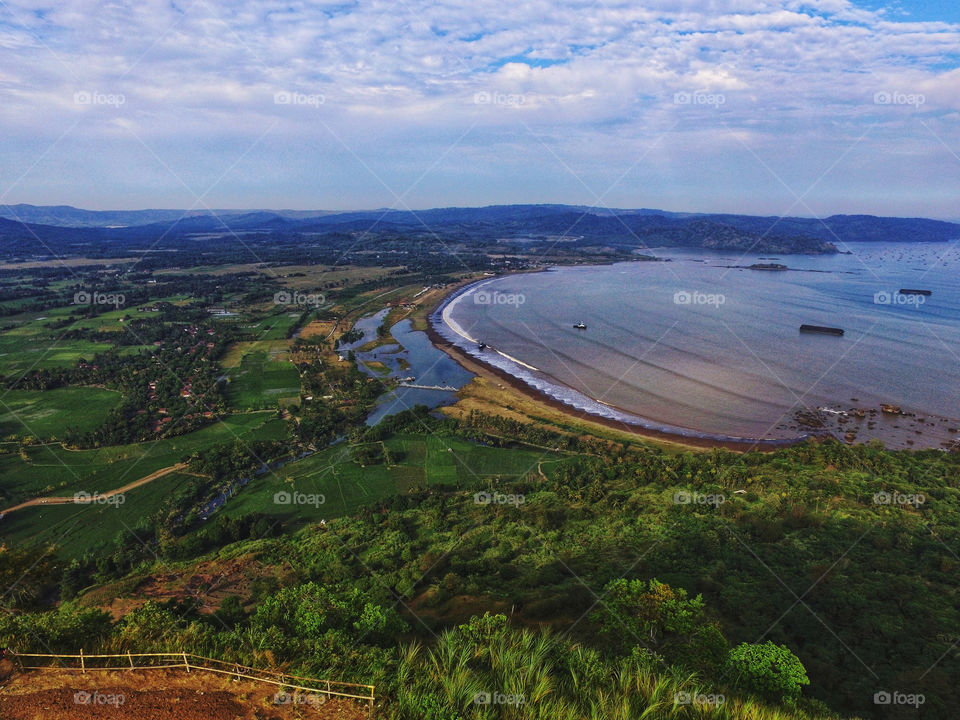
(258, 382)
(53, 470)
(67, 262)
(110, 321)
(345, 486)
(276, 350)
(272, 327)
(27, 345)
(558, 680)
(23, 349)
(488, 394)
(309, 278)
(318, 330)
(78, 528)
(50, 413)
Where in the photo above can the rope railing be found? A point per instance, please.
(188, 661)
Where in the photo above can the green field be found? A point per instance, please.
(25, 349)
(345, 486)
(28, 345)
(260, 383)
(274, 327)
(78, 528)
(52, 470)
(49, 413)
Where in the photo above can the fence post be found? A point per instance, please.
(130, 658)
(83, 667)
(186, 663)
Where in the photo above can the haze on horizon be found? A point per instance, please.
(780, 107)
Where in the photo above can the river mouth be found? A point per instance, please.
(705, 347)
(419, 373)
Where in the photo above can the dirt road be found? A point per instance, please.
(85, 499)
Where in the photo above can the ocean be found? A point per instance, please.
(700, 345)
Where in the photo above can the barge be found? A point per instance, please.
(821, 329)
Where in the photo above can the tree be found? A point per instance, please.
(770, 670)
(663, 620)
(231, 611)
(25, 574)
(650, 613)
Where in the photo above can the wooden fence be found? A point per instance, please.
(188, 662)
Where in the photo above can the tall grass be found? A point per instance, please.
(533, 675)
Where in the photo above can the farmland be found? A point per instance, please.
(421, 461)
(21, 352)
(75, 529)
(54, 470)
(262, 379)
(49, 414)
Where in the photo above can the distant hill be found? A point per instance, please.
(583, 226)
(68, 216)
(850, 228)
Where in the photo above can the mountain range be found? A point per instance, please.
(581, 225)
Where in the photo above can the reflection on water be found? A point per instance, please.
(413, 358)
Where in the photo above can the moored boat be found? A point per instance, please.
(821, 329)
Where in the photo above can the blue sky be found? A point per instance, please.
(918, 10)
(805, 107)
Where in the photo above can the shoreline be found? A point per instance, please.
(482, 369)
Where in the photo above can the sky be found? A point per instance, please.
(774, 107)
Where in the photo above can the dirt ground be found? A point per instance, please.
(159, 695)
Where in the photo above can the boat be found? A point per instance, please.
(579, 326)
(768, 266)
(822, 329)
(911, 291)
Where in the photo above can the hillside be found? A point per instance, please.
(230, 500)
(66, 229)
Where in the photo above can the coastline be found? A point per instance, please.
(485, 370)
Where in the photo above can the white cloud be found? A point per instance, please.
(790, 73)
